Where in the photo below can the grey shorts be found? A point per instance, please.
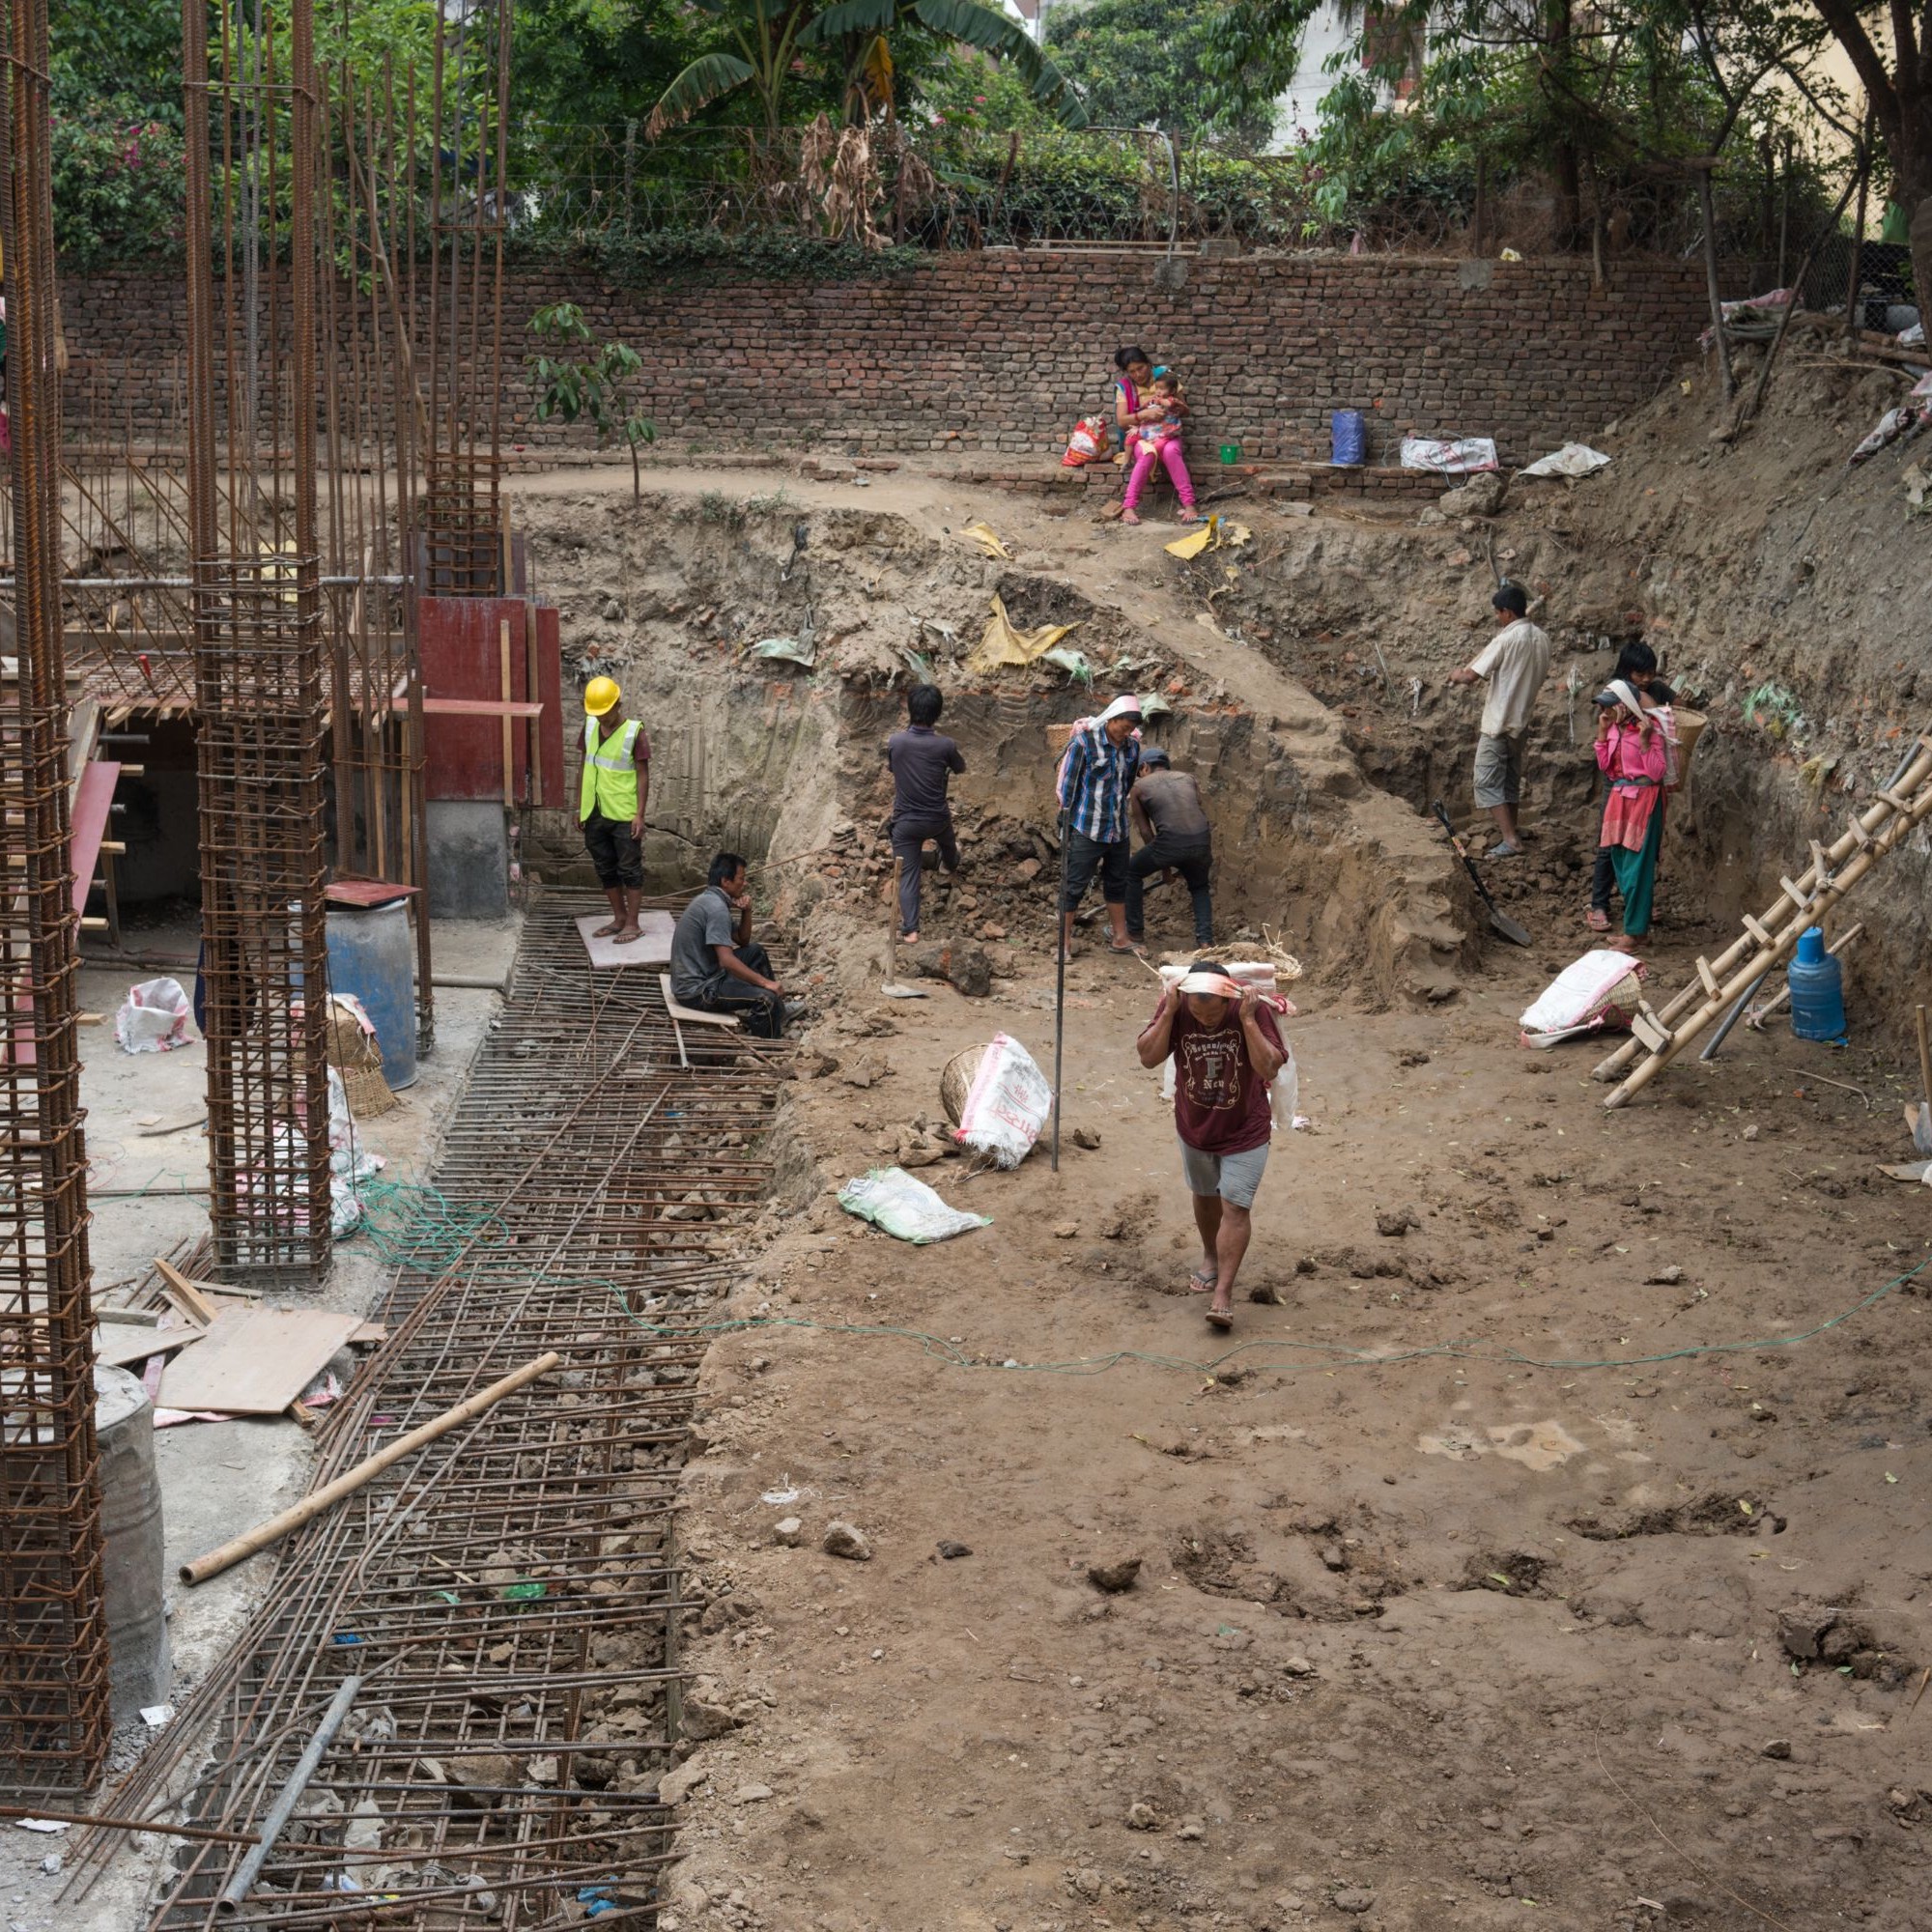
(1237, 1177)
(1500, 769)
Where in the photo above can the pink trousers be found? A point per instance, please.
(1169, 453)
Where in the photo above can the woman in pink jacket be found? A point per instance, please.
(1633, 754)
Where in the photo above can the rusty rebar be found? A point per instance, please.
(54, 1710)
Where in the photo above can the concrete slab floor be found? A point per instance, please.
(145, 1136)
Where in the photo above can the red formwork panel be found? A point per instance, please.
(460, 639)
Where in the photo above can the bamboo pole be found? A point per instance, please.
(1914, 771)
(1772, 955)
(279, 1527)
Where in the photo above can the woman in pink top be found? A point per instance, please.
(1132, 411)
(1633, 754)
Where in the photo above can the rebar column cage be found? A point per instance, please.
(54, 1712)
(261, 755)
(465, 544)
(257, 643)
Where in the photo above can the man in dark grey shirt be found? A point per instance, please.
(716, 965)
(1166, 808)
(921, 763)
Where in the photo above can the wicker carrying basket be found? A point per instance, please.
(955, 1082)
(355, 1056)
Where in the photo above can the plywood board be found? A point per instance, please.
(255, 1361)
(651, 949)
(117, 1344)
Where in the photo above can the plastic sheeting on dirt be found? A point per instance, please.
(1004, 643)
(1573, 459)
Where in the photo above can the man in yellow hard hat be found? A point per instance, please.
(616, 788)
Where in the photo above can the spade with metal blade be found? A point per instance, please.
(1920, 1117)
(1510, 929)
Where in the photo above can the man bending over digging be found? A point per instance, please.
(1227, 1049)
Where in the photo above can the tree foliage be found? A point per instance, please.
(1142, 64)
(1622, 91)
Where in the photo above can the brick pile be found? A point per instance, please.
(1000, 351)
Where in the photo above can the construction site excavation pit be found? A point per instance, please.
(1550, 1528)
(1547, 1540)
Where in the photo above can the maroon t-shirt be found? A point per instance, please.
(1220, 1103)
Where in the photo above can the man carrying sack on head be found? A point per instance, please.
(1226, 1046)
(610, 803)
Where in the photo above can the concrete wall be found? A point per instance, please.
(1003, 350)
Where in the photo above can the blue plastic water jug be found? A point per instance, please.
(1817, 990)
(1348, 438)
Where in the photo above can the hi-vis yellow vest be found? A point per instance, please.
(609, 772)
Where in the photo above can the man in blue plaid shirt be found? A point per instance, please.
(1097, 772)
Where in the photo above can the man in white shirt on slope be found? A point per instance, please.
(1516, 660)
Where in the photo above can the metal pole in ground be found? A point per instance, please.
(1059, 981)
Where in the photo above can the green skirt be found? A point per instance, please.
(1636, 876)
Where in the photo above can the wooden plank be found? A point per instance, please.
(1709, 978)
(693, 1014)
(255, 1361)
(1757, 933)
(509, 728)
(478, 707)
(118, 1345)
(92, 800)
(185, 1294)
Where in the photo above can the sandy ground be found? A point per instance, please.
(216, 1478)
(1462, 1567)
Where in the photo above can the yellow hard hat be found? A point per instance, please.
(599, 694)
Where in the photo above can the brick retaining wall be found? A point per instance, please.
(1001, 351)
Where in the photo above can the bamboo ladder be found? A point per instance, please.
(1766, 943)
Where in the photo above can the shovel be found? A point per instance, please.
(1509, 928)
(1920, 1117)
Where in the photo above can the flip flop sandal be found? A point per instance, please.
(1201, 1282)
(1222, 1319)
(1138, 952)
(1597, 922)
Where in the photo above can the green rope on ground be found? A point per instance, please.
(420, 1226)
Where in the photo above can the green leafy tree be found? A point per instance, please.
(1142, 62)
(578, 377)
(765, 39)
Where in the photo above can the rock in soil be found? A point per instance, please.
(1114, 1577)
(842, 1540)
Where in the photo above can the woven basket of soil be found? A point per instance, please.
(955, 1082)
(1689, 725)
(355, 1056)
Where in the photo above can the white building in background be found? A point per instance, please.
(1298, 110)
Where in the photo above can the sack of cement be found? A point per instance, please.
(890, 1197)
(1601, 989)
(1006, 1102)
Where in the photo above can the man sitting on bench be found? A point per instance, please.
(716, 966)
